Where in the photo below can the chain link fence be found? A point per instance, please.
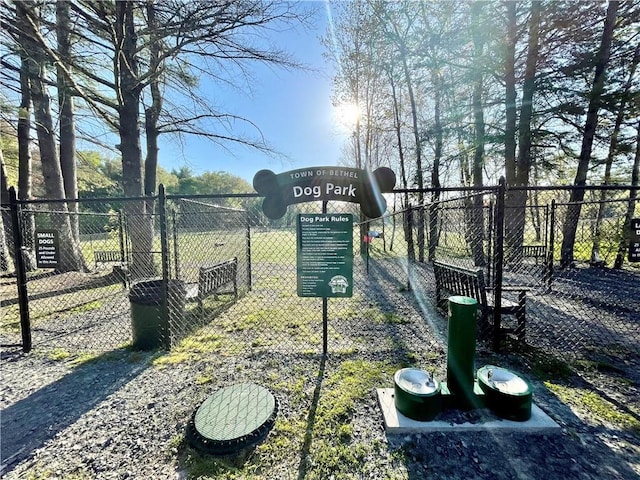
(77, 299)
(591, 301)
(215, 268)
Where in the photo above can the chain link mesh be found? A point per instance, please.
(84, 306)
(571, 307)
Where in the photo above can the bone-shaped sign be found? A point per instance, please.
(324, 183)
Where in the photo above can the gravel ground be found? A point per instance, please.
(122, 415)
(119, 417)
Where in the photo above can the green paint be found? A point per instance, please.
(463, 327)
(325, 255)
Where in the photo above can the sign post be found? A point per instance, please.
(325, 259)
(324, 241)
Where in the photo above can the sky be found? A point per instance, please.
(292, 108)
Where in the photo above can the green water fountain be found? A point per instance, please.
(420, 396)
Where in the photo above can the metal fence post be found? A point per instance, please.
(21, 273)
(123, 257)
(552, 240)
(490, 245)
(176, 254)
(498, 262)
(164, 253)
(248, 250)
(410, 246)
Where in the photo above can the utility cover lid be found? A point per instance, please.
(232, 419)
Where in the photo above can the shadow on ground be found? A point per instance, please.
(29, 423)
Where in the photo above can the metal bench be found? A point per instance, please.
(212, 278)
(457, 280)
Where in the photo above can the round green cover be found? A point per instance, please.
(233, 418)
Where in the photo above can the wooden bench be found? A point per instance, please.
(212, 278)
(538, 252)
(456, 280)
(107, 256)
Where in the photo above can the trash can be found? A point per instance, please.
(151, 315)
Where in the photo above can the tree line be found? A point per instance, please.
(132, 69)
(449, 93)
(461, 93)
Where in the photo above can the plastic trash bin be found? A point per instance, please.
(151, 316)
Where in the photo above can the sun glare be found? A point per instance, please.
(347, 115)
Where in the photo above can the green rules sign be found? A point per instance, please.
(325, 255)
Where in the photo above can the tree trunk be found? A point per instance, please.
(151, 116)
(67, 116)
(577, 195)
(625, 238)
(7, 250)
(514, 228)
(510, 165)
(418, 143)
(408, 232)
(70, 252)
(435, 172)
(613, 146)
(140, 226)
(510, 97)
(475, 229)
(152, 113)
(24, 148)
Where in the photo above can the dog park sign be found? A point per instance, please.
(324, 241)
(324, 183)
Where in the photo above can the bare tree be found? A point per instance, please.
(516, 200)
(474, 211)
(66, 115)
(613, 146)
(570, 224)
(70, 253)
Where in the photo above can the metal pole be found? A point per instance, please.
(21, 274)
(552, 242)
(410, 252)
(490, 249)
(164, 253)
(325, 309)
(461, 348)
(123, 259)
(367, 246)
(498, 267)
(176, 258)
(248, 250)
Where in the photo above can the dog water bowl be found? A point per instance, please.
(417, 394)
(507, 394)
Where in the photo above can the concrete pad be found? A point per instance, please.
(396, 422)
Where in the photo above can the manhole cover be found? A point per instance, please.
(232, 419)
